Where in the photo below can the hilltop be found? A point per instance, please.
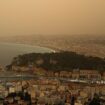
(59, 61)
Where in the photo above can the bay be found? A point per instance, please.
(10, 50)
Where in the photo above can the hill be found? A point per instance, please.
(59, 61)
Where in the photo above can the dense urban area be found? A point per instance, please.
(27, 82)
(58, 78)
(52, 52)
(36, 86)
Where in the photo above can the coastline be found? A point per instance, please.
(33, 45)
(11, 49)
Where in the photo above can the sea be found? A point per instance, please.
(10, 50)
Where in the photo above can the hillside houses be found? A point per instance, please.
(103, 76)
(89, 74)
(72, 74)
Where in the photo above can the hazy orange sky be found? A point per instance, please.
(25, 17)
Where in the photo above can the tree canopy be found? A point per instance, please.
(60, 61)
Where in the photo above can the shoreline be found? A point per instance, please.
(7, 60)
(33, 45)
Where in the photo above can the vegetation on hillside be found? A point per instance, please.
(60, 61)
